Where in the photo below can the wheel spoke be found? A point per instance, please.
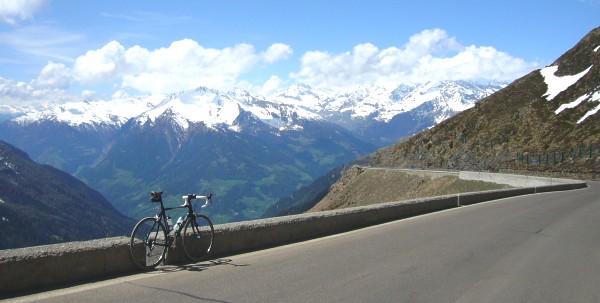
(148, 243)
(198, 236)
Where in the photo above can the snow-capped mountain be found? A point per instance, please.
(113, 112)
(368, 106)
(214, 107)
(217, 110)
(381, 103)
(363, 110)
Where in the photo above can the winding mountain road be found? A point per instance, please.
(534, 248)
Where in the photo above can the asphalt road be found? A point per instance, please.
(535, 248)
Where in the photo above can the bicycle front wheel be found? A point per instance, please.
(148, 243)
(197, 238)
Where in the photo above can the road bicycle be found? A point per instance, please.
(151, 236)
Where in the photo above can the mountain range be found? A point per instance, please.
(248, 150)
(382, 115)
(363, 110)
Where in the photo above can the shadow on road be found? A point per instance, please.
(177, 292)
(199, 266)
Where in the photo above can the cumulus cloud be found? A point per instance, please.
(50, 85)
(88, 94)
(14, 92)
(13, 10)
(472, 63)
(54, 75)
(429, 55)
(100, 65)
(272, 85)
(184, 64)
(277, 52)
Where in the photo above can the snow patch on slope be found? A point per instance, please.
(572, 104)
(594, 97)
(556, 84)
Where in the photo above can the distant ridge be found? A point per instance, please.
(43, 205)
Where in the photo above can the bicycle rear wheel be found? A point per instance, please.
(148, 243)
(197, 238)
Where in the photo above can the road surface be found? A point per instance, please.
(534, 248)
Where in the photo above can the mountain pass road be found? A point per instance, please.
(533, 248)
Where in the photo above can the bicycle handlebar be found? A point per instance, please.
(188, 198)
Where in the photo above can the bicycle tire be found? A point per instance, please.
(148, 243)
(197, 238)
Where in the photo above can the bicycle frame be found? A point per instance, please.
(162, 215)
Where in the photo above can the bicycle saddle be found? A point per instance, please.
(156, 196)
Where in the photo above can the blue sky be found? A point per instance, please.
(59, 50)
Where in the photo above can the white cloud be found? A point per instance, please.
(429, 55)
(100, 65)
(120, 94)
(183, 65)
(49, 86)
(13, 10)
(272, 85)
(472, 63)
(12, 90)
(88, 94)
(277, 52)
(15, 93)
(54, 75)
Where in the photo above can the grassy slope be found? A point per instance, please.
(360, 187)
